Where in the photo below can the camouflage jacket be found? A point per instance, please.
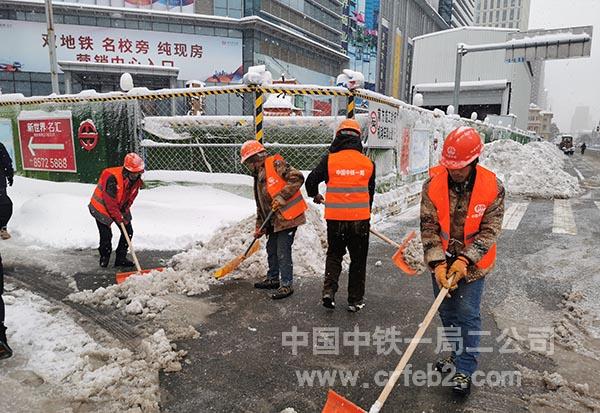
(489, 230)
(294, 179)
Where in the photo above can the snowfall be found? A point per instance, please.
(209, 218)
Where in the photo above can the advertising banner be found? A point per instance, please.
(419, 151)
(205, 58)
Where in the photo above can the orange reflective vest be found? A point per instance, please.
(485, 191)
(275, 183)
(347, 197)
(97, 206)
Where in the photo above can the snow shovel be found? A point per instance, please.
(338, 404)
(122, 276)
(398, 257)
(252, 248)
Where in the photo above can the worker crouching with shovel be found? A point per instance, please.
(462, 207)
(276, 188)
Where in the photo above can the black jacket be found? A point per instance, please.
(6, 168)
(320, 173)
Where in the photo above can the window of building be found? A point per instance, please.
(484, 18)
(230, 8)
(512, 14)
(504, 15)
(505, 3)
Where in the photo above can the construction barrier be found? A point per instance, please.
(202, 129)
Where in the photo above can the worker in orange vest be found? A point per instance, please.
(350, 179)
(111, 201)
(276, 187)
(462, 207)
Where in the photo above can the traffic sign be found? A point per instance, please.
(46, 140)
(88, 135)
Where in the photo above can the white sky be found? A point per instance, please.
(575, 82)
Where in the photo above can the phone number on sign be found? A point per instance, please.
(50, 163)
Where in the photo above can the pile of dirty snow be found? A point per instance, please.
(534, 169)
(53, 352)
(191, 272)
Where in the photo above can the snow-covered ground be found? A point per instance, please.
(168, 217)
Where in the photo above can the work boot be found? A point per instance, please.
(267, 284)
(122, 261)
(282, 292)
(329, 300)
(4, 233)
(461, 384)
(5, 350)
(104, 260)
(445, 365)
(356, 307)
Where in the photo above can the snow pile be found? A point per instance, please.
(192, 271)
(413, 255)
(164, 218)
(51, 349)
(532, 170)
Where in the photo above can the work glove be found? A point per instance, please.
(10, 180)
(277, 203)
(458, 270)
(259, 232)
(441, 273)
(318, 199)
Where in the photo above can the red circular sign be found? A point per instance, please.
(88, 135)
(374, 122)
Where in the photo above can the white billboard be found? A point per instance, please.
(384, 125)
(178, 6)
(24, 47)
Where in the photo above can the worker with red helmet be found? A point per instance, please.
(350, 179)
(276, 187)
(462, 207)
(111, 201)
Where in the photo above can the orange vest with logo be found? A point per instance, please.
(485, 191)
(97, 206)
(275, 183)
(347, 197)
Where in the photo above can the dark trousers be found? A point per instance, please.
(354, 236)
(6, 208)
(106, 239)
(1, 292)
(279, 255)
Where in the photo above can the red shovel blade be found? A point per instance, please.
(337, 404)
(398, 257)
(122, 276)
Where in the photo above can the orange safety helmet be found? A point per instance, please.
(133, 163)
(348, 124)
(462, 146)
(250, 148)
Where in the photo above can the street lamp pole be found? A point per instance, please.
(460, 52)
(52, 47)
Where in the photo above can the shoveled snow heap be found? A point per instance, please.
(534, 169)
(192, 271)
(51, 349)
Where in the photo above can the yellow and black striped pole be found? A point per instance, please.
(350, 107)
(258, 116)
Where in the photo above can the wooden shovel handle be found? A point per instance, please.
(126, 235)
(409, 351)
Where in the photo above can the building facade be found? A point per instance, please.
(378, 40)
(213, 41)
(511, 14)
(534, 122)
(457, 13)
(489, 86)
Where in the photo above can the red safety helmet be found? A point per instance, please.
(133, 163)
(462, 146)
(348, 125)
(250, 148)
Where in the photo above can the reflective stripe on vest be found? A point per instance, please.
(347, 197)
(485, 191)
(295, 206)
(97, 206)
